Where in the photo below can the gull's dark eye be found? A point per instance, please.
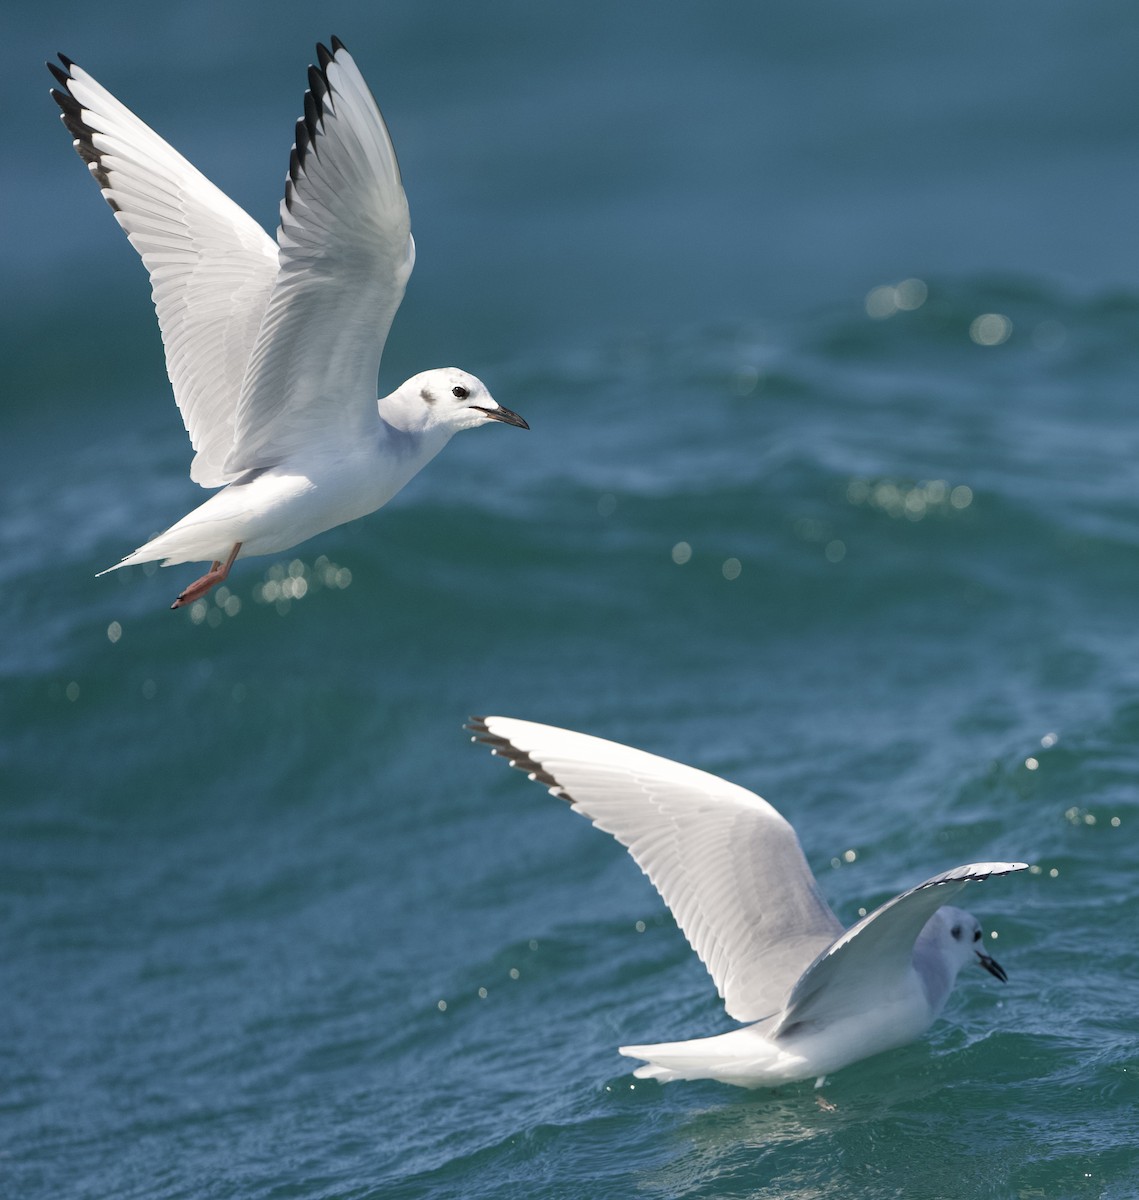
(976, 935)
(459, 392)
(955, 933)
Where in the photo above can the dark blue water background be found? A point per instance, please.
(271, 926)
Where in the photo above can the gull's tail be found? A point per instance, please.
(744, 1057)
(145, 553)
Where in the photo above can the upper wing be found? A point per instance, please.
(212, 267)
(879, 947)
(346, 254)
(727, 864)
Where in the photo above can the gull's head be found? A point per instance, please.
(957, 935)
(444, 400)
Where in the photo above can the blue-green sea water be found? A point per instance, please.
(271, 926)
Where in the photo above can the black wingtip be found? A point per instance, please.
(317, 84)
(61, 76)
(66, 101)
(517, 758)
(71, 113)
(312, 115)
(309, 126)
(337, 44)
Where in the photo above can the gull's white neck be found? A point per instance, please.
(936, 974)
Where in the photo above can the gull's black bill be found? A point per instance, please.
(992, 966)
(502, 414)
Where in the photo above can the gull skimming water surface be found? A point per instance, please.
(816, 997)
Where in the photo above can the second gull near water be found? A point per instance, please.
(817, 997)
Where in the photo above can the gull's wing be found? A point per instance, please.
(212, 267)
(727, 864)
(879, 949)
(345, 257)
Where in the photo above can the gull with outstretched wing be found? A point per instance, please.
(816, 997)
(273, 347)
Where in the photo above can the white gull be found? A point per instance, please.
(816, 997)
(273, 348)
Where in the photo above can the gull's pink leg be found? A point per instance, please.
(210, 579)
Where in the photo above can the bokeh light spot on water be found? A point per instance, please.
(285, 582)
(961, 496)
(906, 499)
(1031, 763)
(1080, 816)
(745, 380)
(229, 603)
(441, 1005)
(880, 303)
(991, 329)
(681, 553)
(72, 691)
(887, 299)
(640, 927)
(811, 529)
(514, 973)
(114, 632)
(911, 294)
(835, 551)
(731, 568)
(1049, 739)
(482, 993)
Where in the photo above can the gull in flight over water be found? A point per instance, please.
(273, 348)
(816, 997)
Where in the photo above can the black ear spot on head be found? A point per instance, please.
(976, 935)
(460, 392)
(426, 396)
(955, 933)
